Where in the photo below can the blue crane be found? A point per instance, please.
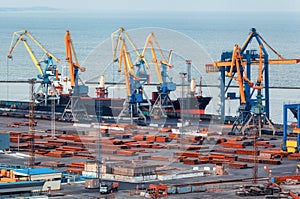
(242, 69)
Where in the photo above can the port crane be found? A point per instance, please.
(258, 116)
(74, 66)
(241, 71)
(140, 63)
(48, 74)
(165, 86)
(134, 94)
(136, 75)
(74, 108)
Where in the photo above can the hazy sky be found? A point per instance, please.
(160, 5)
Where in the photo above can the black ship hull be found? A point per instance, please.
(110, 106)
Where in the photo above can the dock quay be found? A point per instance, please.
(140, 156)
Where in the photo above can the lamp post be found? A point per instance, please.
(182, 76)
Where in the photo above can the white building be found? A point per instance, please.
(52, 177)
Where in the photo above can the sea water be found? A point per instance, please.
(213, 32)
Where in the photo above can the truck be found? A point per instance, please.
(108, 188)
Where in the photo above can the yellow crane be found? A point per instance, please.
(141, 66)
(116, 42)
(125, 61)
(135, 75)
(163, 101)
(150, 41)
(47, 74)
(134, 94)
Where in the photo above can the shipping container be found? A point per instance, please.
(184, 189)
(92, 183)
(171, 189)
(198, 188)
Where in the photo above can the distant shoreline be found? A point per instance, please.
(28, 9)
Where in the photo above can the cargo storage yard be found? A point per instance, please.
(139, 158)
(150, 112)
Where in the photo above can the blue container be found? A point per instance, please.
(171, 190)
(184, 189)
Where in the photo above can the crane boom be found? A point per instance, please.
(259, 80)
(47, 73)
(253, 34)
(134, 78)
(124, 59)
(219, 64)
(235, 64)
(163, 100)
(70, 52)
(118, 34)
(20, 35)
(150, 41)
(248, 59)
(154, 58)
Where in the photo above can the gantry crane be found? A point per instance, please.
(48, 74)
(289, 144)
(247, 59)
(165, 86)
(77, 109)
(136, 75)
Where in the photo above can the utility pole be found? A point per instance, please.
(182, 76)
(31, 124)
(53, 116)
(98, 158)
(255, 157)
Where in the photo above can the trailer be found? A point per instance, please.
(109, 188)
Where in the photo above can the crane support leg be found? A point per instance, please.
(295, 109)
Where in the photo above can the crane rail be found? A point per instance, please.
(203, 85)
(151, 84)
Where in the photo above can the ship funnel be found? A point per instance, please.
(102, 81)
(193, 85)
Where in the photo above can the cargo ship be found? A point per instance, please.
(102, 105)
(113, 106)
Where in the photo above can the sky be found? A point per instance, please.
(160, 5)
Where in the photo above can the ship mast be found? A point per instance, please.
(200, 87)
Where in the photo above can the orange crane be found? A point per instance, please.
(74, 108)
(73, 66)
(236, 65)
